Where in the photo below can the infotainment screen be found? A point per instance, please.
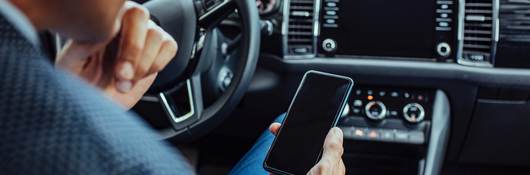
(396, 28)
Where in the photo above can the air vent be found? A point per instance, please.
(478, 31)
(515, 23)
(300, 28)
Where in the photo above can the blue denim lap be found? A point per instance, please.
(252, 162)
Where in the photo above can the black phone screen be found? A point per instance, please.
(313, 112)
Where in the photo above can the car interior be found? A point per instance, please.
(441, 86)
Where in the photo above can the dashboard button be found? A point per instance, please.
(329, 45)
(394, 113)
(373, 134)
(394, 94)
(357, 103)
(358, 132)
(348, 131)
(375, 110)
(401, 136)
(413, 112)
(330, 21)
(406, 95)
(416, 137)
(356, 111)
(331, 12)
(443, 49)
(387, 135)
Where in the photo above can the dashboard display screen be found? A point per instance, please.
(398, 28)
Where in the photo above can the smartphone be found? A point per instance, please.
(314, 110)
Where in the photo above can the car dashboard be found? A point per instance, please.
(442, 86)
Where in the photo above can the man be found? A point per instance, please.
(55, 123)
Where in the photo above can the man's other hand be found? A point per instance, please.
(331, 162)
(144, 49)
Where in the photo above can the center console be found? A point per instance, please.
(395, 131)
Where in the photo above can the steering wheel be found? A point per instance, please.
(192, 23)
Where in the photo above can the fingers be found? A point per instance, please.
(133, 36)
(331, 161)
(341, 169)
(274, 128)
(328, 167)
(166, 53)
(333, 144)
(145, 48)
(152, 46)
(158, 51)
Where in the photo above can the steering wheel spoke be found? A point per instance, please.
(183, 105)
(211, 12)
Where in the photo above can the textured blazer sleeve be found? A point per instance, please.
(53, 123)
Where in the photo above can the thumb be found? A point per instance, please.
(274, 128)
(333, 148)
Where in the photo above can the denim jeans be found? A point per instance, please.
(252, 162)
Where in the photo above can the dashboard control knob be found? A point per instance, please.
(375, 110)
(413, 112)
(329, 45)
(443, 49)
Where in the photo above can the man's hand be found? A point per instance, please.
(331, 162)
(144, 49)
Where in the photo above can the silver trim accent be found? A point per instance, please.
(496, 21)
(285, 25)
(149, 98)
(474, 64)
(316, 22)
(209, 12)
(475, 18)
(300, 13)
(285, 30)
(420, 117)
(460, 37)
(169, 110)
(421, 167)
(380, 116)
(496, 30)
(439, 134)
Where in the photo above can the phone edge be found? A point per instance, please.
(337, 117)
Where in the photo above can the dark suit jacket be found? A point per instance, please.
(53, 123)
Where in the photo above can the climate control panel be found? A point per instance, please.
(399, 115)
(377, 104)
